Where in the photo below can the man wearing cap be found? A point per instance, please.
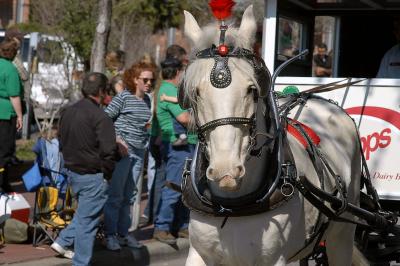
(172, 212)
(10, 108)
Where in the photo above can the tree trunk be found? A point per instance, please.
(99, 47)
(122, 44)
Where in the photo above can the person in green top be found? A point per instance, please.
(10, 108)
(171, 210)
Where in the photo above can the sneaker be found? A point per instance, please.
(144, 221)
(184, 233)
(129, 241)
(112, 243)
(66, 253)
(164, 237)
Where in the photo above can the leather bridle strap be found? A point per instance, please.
(222, 122)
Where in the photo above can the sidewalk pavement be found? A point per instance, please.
(153, 251)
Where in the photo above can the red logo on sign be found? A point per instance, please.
(376, 140)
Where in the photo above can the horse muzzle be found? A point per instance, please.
(230, 180)
(228, 183)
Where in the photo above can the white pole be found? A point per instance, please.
(269, 33)
(171, 36)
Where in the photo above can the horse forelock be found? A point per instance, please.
(211, 34)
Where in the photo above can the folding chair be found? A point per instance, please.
(52, 212)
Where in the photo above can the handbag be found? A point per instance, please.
(32, 178)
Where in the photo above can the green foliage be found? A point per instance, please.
(78, 25)
(74, 20)
(24, 150)
(160, 14)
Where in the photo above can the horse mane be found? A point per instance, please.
(210, 35)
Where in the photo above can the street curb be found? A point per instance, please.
(153, 251)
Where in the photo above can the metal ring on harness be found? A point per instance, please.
(285, 187)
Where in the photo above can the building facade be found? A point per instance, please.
(13, 12)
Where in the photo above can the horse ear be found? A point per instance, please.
(248, 26)
(192, 29)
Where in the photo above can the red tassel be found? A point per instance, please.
(221, 8)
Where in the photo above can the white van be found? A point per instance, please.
(53, 62)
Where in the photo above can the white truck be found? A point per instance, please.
(51, 63)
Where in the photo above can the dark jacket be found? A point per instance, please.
(87, 139)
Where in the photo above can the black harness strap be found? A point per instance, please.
(222, 122)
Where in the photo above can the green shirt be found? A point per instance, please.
(10, 86)
(167, 111)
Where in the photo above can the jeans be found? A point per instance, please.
(122, 193)
(156, 179)
(153, 204)
(91, 193)
(173, 215)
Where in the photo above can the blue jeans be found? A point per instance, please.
(153, 204)
(91, 193)
(156, 179)
(122, 193)
(173, 215)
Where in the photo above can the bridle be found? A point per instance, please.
(220, 78)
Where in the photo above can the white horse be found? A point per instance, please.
(274, 237)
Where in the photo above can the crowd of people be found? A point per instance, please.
(108, 140)
(127, 116)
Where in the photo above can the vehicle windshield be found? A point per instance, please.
(50, 52)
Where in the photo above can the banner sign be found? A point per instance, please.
(374, 104)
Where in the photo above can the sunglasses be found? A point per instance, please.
(145, 80)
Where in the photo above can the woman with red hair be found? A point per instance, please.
(130, 110)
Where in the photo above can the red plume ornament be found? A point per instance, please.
(221, 8)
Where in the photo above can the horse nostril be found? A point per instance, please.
(240, 170)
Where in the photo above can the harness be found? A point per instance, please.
(269, 155)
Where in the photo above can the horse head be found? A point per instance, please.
(222, 88)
